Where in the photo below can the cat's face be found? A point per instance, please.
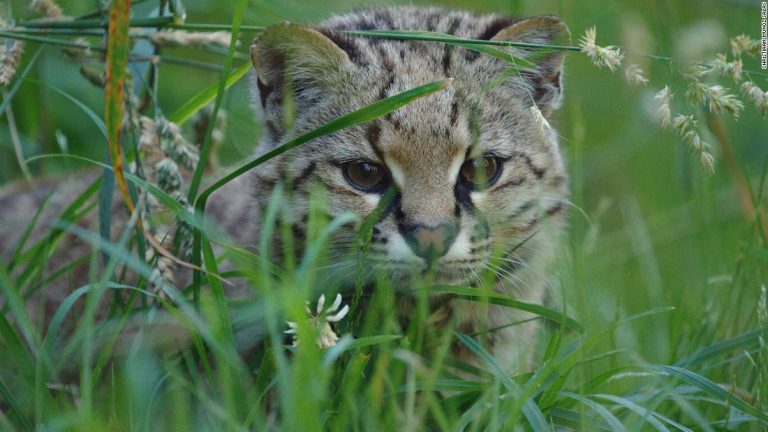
(460, 175)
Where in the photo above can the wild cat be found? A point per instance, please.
(475, 169)
(473, 172)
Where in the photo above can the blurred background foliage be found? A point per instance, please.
(649, 227)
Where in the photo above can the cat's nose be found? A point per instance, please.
(430, 243)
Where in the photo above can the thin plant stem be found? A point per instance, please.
(49, 41)
(167, 22)
(750, 209)
(16, 140)
(96, 23)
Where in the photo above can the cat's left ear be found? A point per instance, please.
(545, 81)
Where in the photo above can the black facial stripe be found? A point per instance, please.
(555, 209)
(454, 112)
(462, 194)
(394, 205)
(530, 225)
(538, 172)
(398, 209)
(522, 209)
(558, 180)
(511, 183)
(378, 237)
(372, 135)
(480, 231)
(304, 175)
(344, 191)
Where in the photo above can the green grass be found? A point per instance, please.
(659, 325)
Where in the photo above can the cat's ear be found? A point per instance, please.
(288, 53)
(545, 81)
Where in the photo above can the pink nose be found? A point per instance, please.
(429, 243)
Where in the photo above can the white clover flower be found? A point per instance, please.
(322, 320)
(635, 75)
(609, 56)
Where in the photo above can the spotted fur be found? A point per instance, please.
(328, 73)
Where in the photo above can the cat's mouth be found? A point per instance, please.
(453, 272)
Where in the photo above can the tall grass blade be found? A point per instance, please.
(17, 351)
(743, 342)
(8, 96)
(28, 231)
(205, 149)
(98, 121)
(473, 294)
(610, 419)
(200, 100)
(531, 412)
(348, 344)
(644, 413)
(15, 410)
(710, 388)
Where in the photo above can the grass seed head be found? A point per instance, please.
(609, 57)
(664, 96)
(721, 66)
(10, 57)
(743, 44)
(185, 38)
(722, 101)
(754, 93)
(635, 75)
(49, 8)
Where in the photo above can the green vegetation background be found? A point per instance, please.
(650, 228)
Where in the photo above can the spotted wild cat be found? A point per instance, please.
(476, 168)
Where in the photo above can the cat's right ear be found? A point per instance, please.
(289, 54)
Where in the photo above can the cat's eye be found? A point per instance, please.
(481, 172)
(366, 176)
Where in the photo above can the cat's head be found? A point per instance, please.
(474, 169)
